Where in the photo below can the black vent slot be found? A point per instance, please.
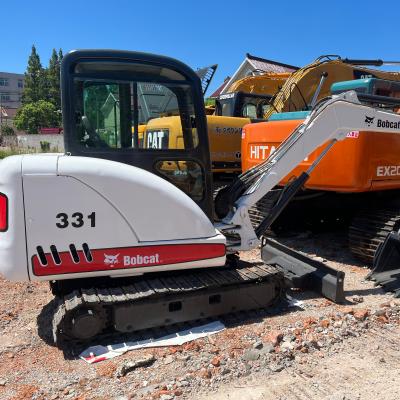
(42, 255)
(87, 252)
(175, 306)
(54, 253)
(214, 299)
(74, 253)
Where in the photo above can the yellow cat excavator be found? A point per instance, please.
(245, 101)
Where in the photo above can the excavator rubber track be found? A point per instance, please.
(370, 228)
(92, 313)
(386, 267)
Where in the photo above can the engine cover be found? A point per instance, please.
(83, 217)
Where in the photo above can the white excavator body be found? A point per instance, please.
(71, 217)
(77, 217)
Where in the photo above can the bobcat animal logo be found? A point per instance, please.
(369, 120)
(111, 260)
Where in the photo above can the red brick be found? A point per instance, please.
(361, 314)
(325, 323)
(382, 319)
(216, 361)
(309, 321)
(205, 373)
(274, 337)
(347, 310)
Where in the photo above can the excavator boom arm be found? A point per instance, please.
(330, 121)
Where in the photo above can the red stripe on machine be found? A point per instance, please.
(3, 212)
(126, 258)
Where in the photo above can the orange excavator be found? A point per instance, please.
(358, 182)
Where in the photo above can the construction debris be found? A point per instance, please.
(96, 354)
(129, 366)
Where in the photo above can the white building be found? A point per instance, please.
(253, 65)
(11, 87)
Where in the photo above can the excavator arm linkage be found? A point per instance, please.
(330, 121)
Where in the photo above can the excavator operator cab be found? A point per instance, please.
(109, 96)
(382, 93)
(241, 104)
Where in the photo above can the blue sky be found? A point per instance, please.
(202, 32)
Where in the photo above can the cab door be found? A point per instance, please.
(110, 98)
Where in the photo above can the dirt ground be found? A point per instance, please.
(366, 368)
(317, 350)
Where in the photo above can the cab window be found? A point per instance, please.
(118, 115)
(249, 110)
(186, 175)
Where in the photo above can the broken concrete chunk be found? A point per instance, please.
(129, 366)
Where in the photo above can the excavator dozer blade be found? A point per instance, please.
(386, 266)
(302, 272)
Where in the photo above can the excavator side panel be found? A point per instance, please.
(225, 135)
(82, 223)
(363, 162)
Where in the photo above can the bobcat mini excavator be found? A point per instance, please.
(124, 234)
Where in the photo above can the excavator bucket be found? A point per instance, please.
(386, 266)
(302, 272)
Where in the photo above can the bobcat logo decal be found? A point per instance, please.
(111, 260)
(369, 120)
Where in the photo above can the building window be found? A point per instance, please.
(20, 83)
(3, 81)
(5, 97)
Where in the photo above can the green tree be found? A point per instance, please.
(6, 130)
(34, 88)
(95, 96)
(60, 55)
(33, 116)
(53, 81)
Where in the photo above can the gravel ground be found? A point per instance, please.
(364, 367)
(317, 351)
